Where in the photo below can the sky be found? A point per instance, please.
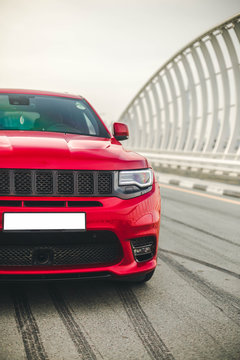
(104, 50)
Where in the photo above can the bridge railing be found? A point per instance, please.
(188, 113)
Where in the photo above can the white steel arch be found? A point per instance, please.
(190, 108)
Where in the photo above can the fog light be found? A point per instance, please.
(143, 248)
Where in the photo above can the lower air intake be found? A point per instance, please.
(61, 249)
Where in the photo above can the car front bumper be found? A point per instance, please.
(127, 219)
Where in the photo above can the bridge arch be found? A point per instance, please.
(190, 108)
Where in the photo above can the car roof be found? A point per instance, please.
(38, 92)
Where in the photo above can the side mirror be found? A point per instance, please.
(120, 131)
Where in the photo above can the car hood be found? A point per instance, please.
(45, 150)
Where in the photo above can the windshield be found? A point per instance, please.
(49, 113)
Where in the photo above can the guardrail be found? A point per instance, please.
(188, 113)
(194, 162)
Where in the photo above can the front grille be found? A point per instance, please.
(65, 183)
(4, 182)
(104, 183)
(55, 182)
(59, 249)
(23, 182)
(86, 183)
(44, 182)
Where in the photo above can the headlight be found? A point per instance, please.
(140, 178)
(129, 184)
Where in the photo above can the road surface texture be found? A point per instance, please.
(189, 310)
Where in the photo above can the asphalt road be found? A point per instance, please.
(189, 310)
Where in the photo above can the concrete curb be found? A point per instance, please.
(218, 189)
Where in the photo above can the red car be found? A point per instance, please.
(73, 202)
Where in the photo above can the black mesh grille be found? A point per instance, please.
(4, 182)
(23, 182)
(55, 182)
(75, 250)
(105, 183)
(85, 183)
(44, 182)
(23, 256)
(65, 183)
(15, 256)
(85, 255)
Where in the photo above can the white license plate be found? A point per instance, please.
(44, 221)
